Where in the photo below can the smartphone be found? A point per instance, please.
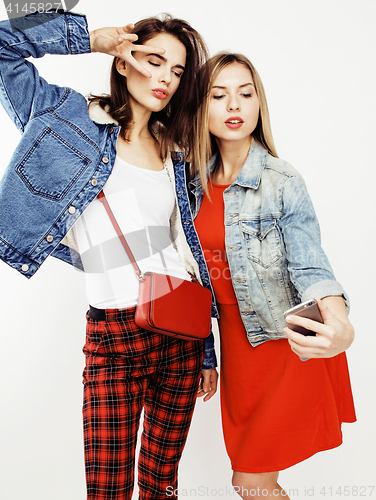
(308, 309)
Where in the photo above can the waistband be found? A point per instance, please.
(111, 314)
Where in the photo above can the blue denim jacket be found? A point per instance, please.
(63, 158)
(272, 243)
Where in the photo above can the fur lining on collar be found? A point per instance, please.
(99, 115)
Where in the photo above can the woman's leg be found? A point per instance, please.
(263, 485)
(115, 385)
(111, 413)
(169, 405)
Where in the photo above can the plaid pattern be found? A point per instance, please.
(127, 369)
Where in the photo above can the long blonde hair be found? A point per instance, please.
(206, 145)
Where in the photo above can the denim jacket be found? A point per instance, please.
(64, 157)
(272, 243)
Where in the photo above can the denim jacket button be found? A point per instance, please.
(111, 130)
(94, 182)
(50, 238)
(105, 159)
(24, 268)
(71, 210)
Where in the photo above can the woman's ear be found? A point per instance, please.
(121, 66)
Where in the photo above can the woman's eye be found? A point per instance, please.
(153, 63)
(176, 73)
(246, 95)
(217, 96)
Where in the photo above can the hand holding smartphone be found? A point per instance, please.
(308, 309)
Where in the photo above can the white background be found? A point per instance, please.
(316, 59)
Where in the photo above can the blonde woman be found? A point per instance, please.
(261, 240)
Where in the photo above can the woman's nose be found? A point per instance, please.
(165, 77)
(233, 105)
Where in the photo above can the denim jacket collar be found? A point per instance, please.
(250, 174)
(195, 183)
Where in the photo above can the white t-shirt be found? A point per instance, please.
(142, 202)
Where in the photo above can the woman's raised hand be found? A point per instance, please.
(119, 43)
(333, 336)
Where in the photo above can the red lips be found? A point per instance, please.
(160, 93)
(234, 122)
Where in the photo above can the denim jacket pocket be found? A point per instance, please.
(66, 165)
(262, 240)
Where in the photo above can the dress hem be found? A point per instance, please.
(260, 470)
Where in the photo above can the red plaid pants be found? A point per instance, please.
(128, 369)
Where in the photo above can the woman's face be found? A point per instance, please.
(234, 105)
(153, 94)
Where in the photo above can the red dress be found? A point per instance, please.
(276, 409)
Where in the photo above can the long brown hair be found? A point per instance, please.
(173, 125)
(207, 145)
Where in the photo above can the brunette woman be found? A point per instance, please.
(261, 241)
(64, 159)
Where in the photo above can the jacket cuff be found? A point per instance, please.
(326, 288)
(210, 359)
(78, 33)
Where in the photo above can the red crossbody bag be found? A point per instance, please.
(166, 304)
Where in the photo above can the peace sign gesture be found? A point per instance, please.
(119, 43)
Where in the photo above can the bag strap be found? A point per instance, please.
(102, 198)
